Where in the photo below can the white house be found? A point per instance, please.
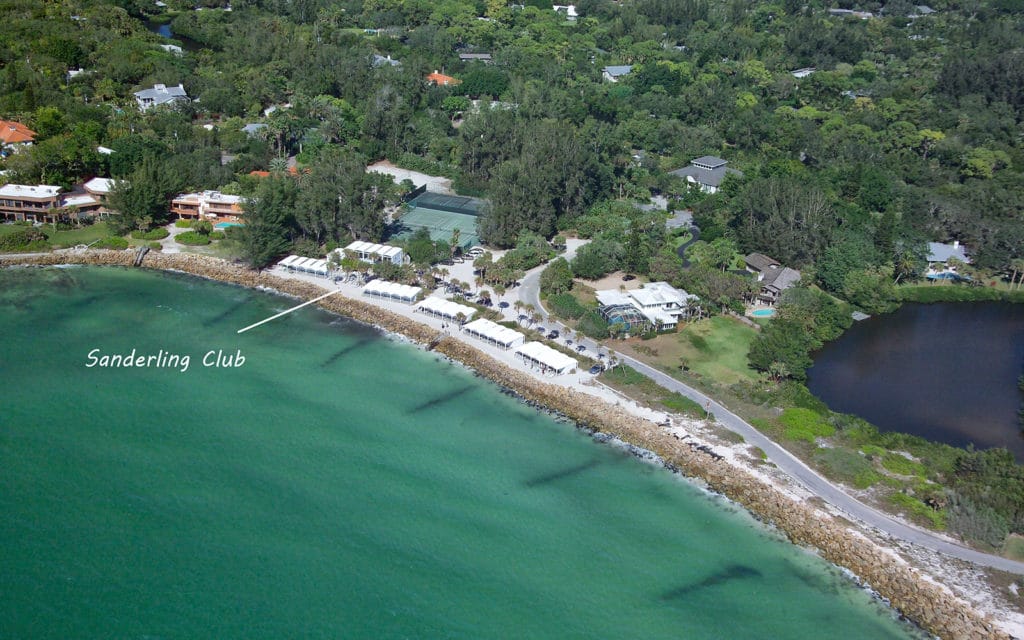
(660, 304)
(160, 94)
(707, 172)
(940, 255)
(612, 73)
(568, 9)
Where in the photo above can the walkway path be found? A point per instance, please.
(529, 292)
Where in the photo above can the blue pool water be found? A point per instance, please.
(225, 225)
(763, 313)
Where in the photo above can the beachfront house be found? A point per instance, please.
(707, 173)
(88, 200)
(657, 305)
(208, 205)
(772, 276)
(32, 203)
(48, 203)
(159, 95)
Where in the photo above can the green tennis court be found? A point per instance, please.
(440, 215)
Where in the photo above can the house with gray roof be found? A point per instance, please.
(772, 276)
(253, 129)
(612, 73)
(707, 172)
(942, 259)
(160, 95)
(379, 61)
(476, 57)
(940, 252)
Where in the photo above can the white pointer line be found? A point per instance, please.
(278, 315)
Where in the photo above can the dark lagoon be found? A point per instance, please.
(164, 29)
(947, 372)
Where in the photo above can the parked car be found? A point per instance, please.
(540, 329)
(596, 369)
(580, 348)
(553, 335)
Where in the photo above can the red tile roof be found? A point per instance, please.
(443, 80)
(260, 174)
(15, 132)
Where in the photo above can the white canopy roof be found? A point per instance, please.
(384, 250)
(446, 308)
(319, 267)
(394, 290)
(289, 261)
(99, 185)
(494, 332)
(29, 190)
(545, 355)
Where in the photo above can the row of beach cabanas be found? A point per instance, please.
(493, 333)
(446, 309)
(541, 355)
(307, 265)
(392, 291)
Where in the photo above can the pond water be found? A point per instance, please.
(163, 29)
(947, 372)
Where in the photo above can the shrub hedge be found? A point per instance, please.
(565, 305)
(192, 238)
(804, 424)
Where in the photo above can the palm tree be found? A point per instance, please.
(278, 164)
(1017, 264)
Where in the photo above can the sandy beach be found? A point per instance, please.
(949, 604)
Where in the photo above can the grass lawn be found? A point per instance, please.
(70, 238)
(681, 239)
(1013, 548)
(716, 349)
(8, 229)
(627, 380)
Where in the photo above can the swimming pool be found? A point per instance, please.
(224, 225)
(762, 313)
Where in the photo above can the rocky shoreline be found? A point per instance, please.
(929, 605)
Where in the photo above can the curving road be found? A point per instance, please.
(529, 292)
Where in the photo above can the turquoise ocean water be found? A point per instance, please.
(340, 484)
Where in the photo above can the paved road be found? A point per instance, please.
(529, 292)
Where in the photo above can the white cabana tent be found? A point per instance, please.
(373, 252)
(319, 267)
(304, 264)
(494, 333)
(542, 355)
(288, 262)
(392, 291)
(446, 309)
